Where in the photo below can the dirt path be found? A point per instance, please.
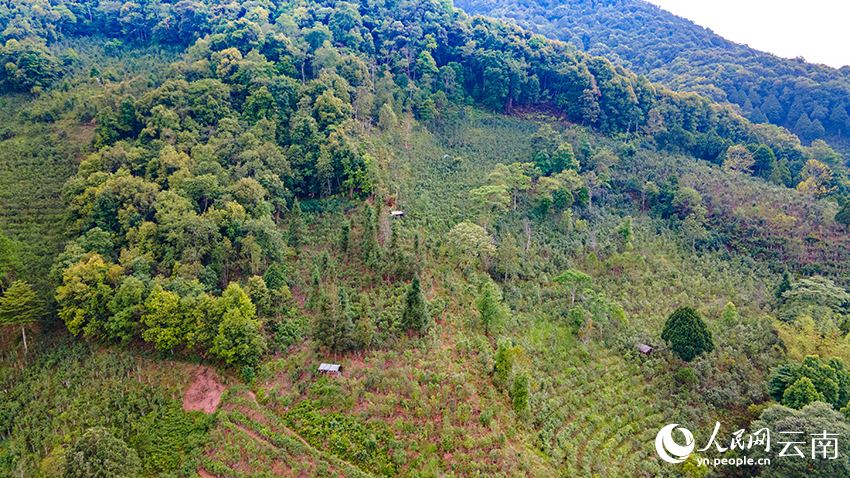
(204, 473)
(204, 394)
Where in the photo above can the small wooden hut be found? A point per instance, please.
(330, 369)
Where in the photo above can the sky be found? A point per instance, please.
(814, 29)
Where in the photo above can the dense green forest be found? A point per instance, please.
(195, 213)
(809, 99)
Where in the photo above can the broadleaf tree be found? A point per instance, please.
(574, 281)
(20, 306)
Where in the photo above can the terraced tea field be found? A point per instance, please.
(35, 162)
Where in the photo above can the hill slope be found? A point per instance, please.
(687, 57)
(230, 218)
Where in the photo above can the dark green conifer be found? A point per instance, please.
(687, 333)
(275, 276)
(519, 392)
(369, 244)
(415, 315)
(784, 286)
(334, 326)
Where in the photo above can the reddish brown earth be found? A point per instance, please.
(205, 474)
(204, 394)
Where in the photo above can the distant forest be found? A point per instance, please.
(810, 100)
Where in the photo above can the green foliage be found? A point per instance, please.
(83, 299)
(816, 296)
(470, 242)
(687, 334)
(801, 393)
(823, 377)
(296, 226)
(687, 376)
(365, 444)
(10, 263)
(811, 420)
(730, 314)
(164, 319)
(519, 392)
(629, 34)
(21, 307)
(333, 325)
(286, 333)
(843, 215)
(98, 454)
(485, 418)
(28, 65)
(248, 373)
(415, 315)
(275, 277)
(195, 173)
(829, 379)
(239, 339)
(625, 230)
(369, 250)
(489, 306)
(574, 281)
(69, 387)
(345, 236)
(784, 286)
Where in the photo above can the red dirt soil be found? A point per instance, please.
(204, 394)
(205, 474)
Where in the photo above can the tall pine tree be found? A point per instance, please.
(369, 244)
(489, 305)
(275, 276)
(415, 315)
(784, 286)
(334, 326)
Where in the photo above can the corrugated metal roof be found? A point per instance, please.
(645, 348)
(329, 367)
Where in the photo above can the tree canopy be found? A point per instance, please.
(415, 315)
(21, 307)
(98, 454)
(812, 419)
(687, 333)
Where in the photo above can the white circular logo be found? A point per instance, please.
(664, 442)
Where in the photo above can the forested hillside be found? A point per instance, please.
(195, 213)
(809, 99)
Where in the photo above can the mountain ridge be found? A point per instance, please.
(687, 57)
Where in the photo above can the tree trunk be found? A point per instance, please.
(24, 335)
